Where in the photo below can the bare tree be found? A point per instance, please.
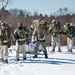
(3, 5)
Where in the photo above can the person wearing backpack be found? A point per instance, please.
(39, 37)
(21, 36)
(55, 30)
(5, 42)
(69, 31)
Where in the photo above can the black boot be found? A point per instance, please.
(24, 58)
(70, 50)
(45, 53)
(53, 50)
(46, 56)
(35, 56)
(5, 61)
(17, 59)
(59, 50)
(36, 52)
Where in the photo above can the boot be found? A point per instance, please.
(46, 56)
(24, 58)
(17, 59)
(70, 50)
(59, 50)
(35, 56)
(2, 59)
(53, 50)
(5, 61)
(45, 53)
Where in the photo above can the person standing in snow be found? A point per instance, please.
(39, 37)
(69, 30)
(5, 42)
(55, 30)
(21, 36)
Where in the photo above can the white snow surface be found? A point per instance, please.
(62, 63)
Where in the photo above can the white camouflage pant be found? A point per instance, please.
(20, 48)
(70, 42)
(4, 52)
(55, 41)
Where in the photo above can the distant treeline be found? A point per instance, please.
(12, 16)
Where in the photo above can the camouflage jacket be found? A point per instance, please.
(39, 35)
(70, 32)
(21, 35)
(5, 37)
(55, 30)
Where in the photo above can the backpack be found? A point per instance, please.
(40, 33)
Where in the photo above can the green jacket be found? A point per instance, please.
(5, 37)
(39, 34)
(55, 29)
(21, 36)
(70, 32)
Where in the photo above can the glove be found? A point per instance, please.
(16, 36)
(60, 32)
(34, 42)
(8, 46)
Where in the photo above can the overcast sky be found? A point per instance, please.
(42, 6)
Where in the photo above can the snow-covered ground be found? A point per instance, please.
(57, 64)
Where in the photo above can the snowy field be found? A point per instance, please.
(57, 64)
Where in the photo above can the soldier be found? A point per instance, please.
(69, 30)
(55, 30)
(5, 42)
(39, 37)
(33, 26)
(21, 36)
(9, 27)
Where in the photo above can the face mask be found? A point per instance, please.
(20, 27)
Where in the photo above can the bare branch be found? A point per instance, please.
(4, 4)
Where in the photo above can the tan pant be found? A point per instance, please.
(70, 42)
(20, 48)
(4, 52)
(43, 45)
(55, 41)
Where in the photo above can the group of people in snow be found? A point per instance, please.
(38, 32)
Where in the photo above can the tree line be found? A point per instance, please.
(12, 16)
